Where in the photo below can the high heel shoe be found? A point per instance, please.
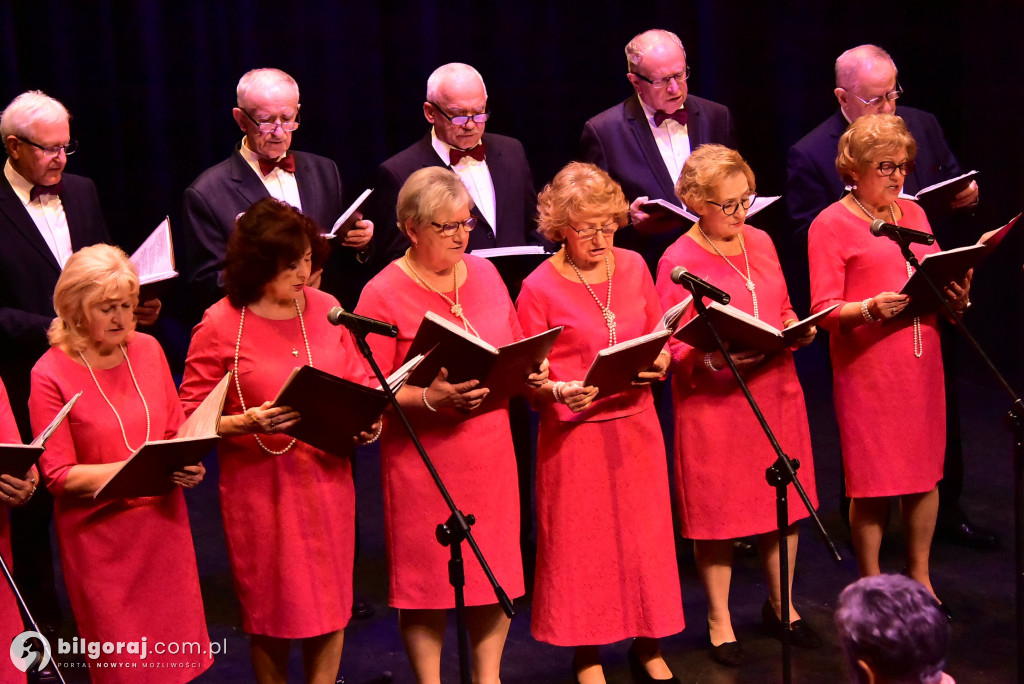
(801, 634)
(944, 609)
(729, 653)
(640, 673)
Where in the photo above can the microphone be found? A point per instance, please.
(899, 233)
(698, 286)
(361, 325)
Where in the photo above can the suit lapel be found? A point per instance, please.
(247, 183)
(18, 217)
(495, 164)
(636, 120)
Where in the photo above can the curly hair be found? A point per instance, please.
(703, 170)
(579, 189)
(871, 135)
(268, 236)
(427, 192)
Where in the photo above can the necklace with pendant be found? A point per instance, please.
(606, 308)
(746, 261)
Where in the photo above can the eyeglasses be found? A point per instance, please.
(891, 96)
(732, 206)
(463, 119)
(681, 77)
(269, 126)
(452, 227)
(590, 233)
(52, 150)
(887, 168)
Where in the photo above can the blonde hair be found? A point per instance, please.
(703, 170)
(91, 275)
(869, 135)
(428, 192)
(579, 189)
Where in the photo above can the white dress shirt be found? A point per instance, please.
(279, 183)
(47, 212)
(475, 176)
(673, 142)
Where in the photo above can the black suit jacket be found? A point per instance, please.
(28, 276)
(620, 141)
(515, 197)
(222, 192)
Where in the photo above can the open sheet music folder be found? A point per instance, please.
(16, 459)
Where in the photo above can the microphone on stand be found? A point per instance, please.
(361, 325)
(698, 286)
(896, 233)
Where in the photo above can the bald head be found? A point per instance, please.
(865, 78)
(657, 70)
(645, 42)
(456, 90)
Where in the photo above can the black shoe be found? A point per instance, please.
(944, 609)
(801, 634)
(963, 532)
(361, 610)
(728, 653)
(640, 673)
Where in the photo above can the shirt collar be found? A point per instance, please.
(442, 148)
(250, 156)
(650, 111)
(22, 188)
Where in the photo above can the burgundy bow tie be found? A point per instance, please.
(456, 155)
(39, 190)
(285, 163)
(680, 115)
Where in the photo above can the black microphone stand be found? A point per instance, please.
(41, 675)
(450, 533)
(779, 475)
(1015, 421)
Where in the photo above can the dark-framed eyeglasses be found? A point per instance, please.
(269, 126)
(681, 77)
(732, 206)
(591, 232)
(462, 119)
(53, 150)
(887, 168)
(452, 227)
(891, 96)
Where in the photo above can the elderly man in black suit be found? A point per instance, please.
(493, 167)
(866, 83)
(263, 165)
(643, 141)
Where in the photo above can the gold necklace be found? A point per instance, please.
(746, 278)
(456, 308)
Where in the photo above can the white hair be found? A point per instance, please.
(849, 63)
(29, 108)
(259, 80)
(436, 81)
(643, 42)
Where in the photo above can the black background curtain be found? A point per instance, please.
(151, 84)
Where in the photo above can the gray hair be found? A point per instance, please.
(643, 42)
(427, 192)
(849, 63)
(28, 108)
(262, 79)
(436, 81)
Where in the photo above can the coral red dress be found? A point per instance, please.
(606, 562)
(129, 564)
(10, 617)
(890, 404)
(720, 450)
(472, 453)
(289, 520)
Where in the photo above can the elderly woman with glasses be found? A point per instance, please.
(888, 386)
(606, 565)
(721, 452)
(467, 437)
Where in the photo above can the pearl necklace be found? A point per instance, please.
(606, 309)
(746, 261)
(238, 385)
(456, 308)
(103, 394)
(918, 342)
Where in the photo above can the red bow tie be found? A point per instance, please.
(680, 115)
(285, 163)
(456, 155)
(39, 190)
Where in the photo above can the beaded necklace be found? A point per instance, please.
(456, 308)
(238, 385)
(103, 394)
(606, 309)
(918, 342)
(746, 261)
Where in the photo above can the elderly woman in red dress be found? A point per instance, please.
(288, 508)
(721, 452)
(129, 564)
(888, 385)
(467, 438)
(606, 562)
